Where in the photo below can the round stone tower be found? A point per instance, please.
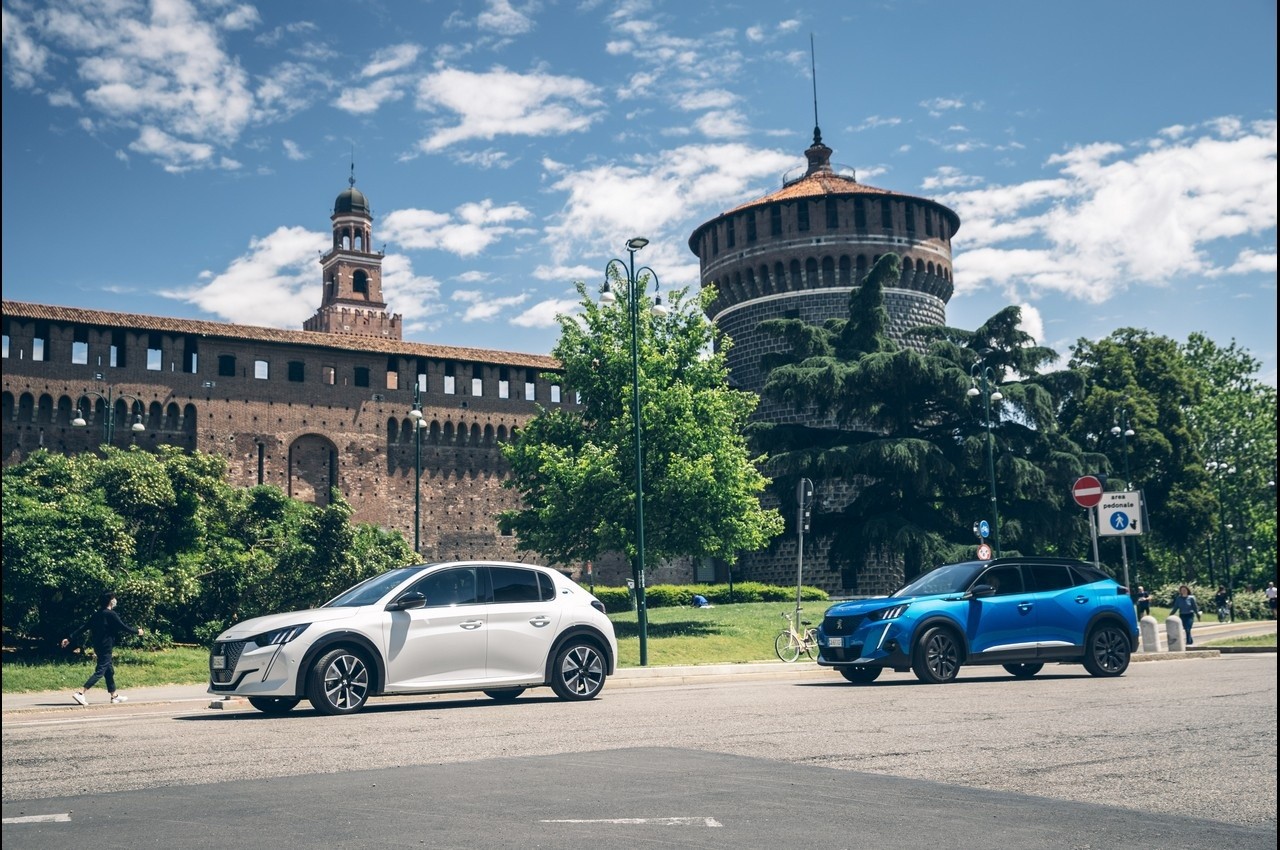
(800, 251)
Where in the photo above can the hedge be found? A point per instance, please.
(618, 599)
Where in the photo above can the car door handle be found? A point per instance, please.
(471, 625)
(1082, 599)
(1024, 607)
(539, 622)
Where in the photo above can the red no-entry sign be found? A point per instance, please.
(1087, 491)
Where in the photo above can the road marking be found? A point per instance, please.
(64, 817)
(708, 822)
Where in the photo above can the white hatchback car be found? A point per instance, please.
(484, 626)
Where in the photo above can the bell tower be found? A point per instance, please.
(352, 273)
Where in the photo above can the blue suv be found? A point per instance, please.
(1017, 612)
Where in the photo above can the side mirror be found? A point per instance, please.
(413, 599)
(980, 590)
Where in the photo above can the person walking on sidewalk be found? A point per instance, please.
(1184, 605)
(103, 625)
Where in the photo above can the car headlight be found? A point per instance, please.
(279, 636)
(888, 613)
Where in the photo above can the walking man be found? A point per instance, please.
(103, 625)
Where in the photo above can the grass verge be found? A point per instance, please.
(1247, 640)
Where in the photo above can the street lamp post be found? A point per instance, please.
(1220, 470)
(633, 309)
(109, 413)
(416, 416)
(1122, 430)
(985, 375)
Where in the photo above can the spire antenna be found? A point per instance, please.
(351, 181)
(813, 69)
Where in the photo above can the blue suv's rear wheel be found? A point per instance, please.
(936, 658)
(1106, 651)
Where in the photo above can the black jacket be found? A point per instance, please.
(103, 625)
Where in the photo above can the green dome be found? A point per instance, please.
(351, 200)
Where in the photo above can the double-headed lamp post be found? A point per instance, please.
(633, 295)
(1220, 470)
(984, 375)
(416, 416)
(109, 413)
(1122, 430)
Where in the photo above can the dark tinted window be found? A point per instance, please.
(512, 584)
(1006, 579)
(459, 586)
(547, 587)
(1087, 575)
(1048, 577)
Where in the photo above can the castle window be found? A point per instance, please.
(477, 386)
(361, 378)
(190, 355)
(360, 282)
(909, 212)
(802, 215)
(450, 386)
(79, 351)
(775, 221)
(833, 214)
(859, 213)
(40, 342)
(155, 355)
(393, 374)
(928, 222)
(227, 365)
(555, 393)
(297, 371)
(715, 241)
(328, 375)
(5, 345)
(504, 382)
(886, 216)
(731, 236)
(751, 226)
(261, 370)
(118, 355)
(530, 391)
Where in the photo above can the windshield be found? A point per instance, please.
(370, 590)
(953, 578)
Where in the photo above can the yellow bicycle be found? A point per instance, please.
(790, 643)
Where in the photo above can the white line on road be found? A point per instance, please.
(64, 817)
(709, 822)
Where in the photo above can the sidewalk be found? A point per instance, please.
(193, 697)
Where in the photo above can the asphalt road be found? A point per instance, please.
(1172, 753)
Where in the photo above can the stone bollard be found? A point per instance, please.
(1149, 629)
(1173, 631)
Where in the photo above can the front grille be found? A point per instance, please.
(229, 650)
(842, 655)
(841, 625)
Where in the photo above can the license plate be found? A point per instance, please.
(219, 662)
(835, 642)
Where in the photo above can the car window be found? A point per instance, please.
(370, 590)
(1006, 580)
(547, 587)
(1087, 575)
(512, 584)
(1043, 577)
(451, 587)
(952, 578)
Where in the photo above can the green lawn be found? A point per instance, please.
(1248, 640)
(725, 634)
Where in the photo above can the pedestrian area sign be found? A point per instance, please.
(1120, 514)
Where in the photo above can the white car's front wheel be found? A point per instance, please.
(579, 671)
(338, 683)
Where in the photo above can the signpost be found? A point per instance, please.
(1120, 515)
(1087, 491)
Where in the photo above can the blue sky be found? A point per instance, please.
(1113, 164)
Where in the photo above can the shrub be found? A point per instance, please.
(618, 599)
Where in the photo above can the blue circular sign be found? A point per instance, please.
(1119, 520)
(984, 530)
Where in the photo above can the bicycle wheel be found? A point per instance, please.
(787, 647)
(811, 647)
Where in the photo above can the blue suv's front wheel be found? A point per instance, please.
(936, 657)
(1106, 650)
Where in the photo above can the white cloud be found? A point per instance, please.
(501, 18)
(1122, 216)
(939, 105)
(949, 177)
(723, 124)
(25, 57)
(1032, 323)
(483, 305)
(544, 313)
(388, 59)
(472, 227)
(415, 297)
(362, 101)
(292, 151)
(240, 18)
(873, 121)
(502, 102)
(274, 284)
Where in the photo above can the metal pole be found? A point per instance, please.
(417, 477)
(983, 372)
(109, 419)
(633, 298)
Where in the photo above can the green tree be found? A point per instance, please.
(1234, 423)
(900, 427)
(575, 467)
